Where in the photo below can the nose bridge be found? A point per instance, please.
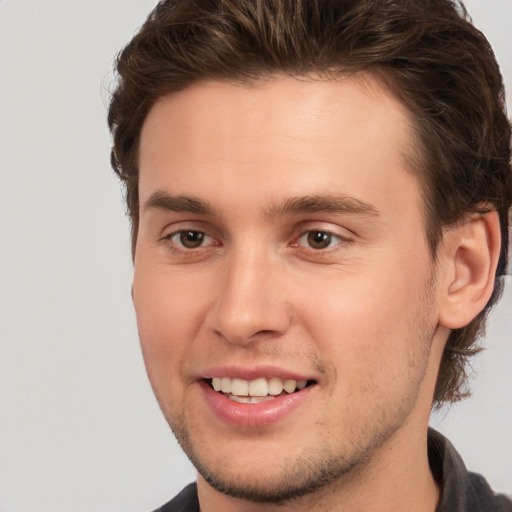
(249, 302)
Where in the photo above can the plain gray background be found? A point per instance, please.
(80, 430)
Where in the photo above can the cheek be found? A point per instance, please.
(164, 323)
(166, 304)
(373, 329)
(167, 318)
(359, 312)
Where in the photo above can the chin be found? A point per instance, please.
(294, 480)
(279, 479)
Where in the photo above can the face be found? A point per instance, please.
(281, 245)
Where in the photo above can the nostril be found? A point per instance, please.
(263, 334)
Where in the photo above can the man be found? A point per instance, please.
(319, 194)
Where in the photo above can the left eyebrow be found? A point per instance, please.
(323, 203)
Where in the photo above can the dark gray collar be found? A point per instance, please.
(461, 491)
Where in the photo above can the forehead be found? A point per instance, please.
(285, 136)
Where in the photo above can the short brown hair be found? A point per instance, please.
(426, 51)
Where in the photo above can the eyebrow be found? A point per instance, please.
(323, 203)
(162, 201)
(294, 205)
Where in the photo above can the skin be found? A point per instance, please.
(366, 316)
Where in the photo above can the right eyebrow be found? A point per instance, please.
(161, 200)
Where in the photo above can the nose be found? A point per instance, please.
(250, 304)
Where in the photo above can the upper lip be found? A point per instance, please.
(252, 373)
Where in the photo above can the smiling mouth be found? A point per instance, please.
(257, 390)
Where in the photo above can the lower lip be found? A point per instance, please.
(253, 415)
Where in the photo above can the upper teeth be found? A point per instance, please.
(257, 387)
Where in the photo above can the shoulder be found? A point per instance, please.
(185, 501)
(461, 491)
(480, 492)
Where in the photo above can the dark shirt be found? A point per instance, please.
(461, 491)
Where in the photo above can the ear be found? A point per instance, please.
(468, 259)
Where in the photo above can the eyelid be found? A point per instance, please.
(188, 224)
(336, 238)
(335, 230)
(169, 238)
(211, 237)
(172, 235)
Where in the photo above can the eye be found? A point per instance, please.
(318, 240)
(189, 238)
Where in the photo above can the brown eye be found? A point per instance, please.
(319, 239)
(191, 239)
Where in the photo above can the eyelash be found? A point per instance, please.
(175, 245)
(326, 235)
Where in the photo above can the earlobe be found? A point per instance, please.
(470, 252)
